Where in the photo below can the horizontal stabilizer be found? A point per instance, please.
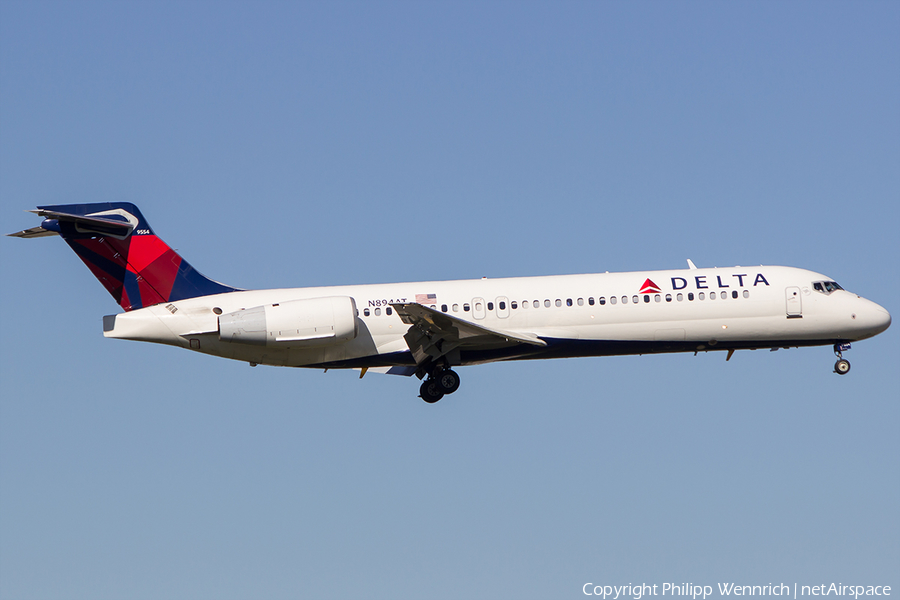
(119, 227)
(110, 226)
(32, 233)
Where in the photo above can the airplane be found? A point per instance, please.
(427, 328)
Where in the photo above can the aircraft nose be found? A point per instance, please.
(882, 319)
(874, 318)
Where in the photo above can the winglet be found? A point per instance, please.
(691, 265)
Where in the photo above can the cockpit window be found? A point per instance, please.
(826, 287)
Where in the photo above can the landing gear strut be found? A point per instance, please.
(842, 366)
(442, 381)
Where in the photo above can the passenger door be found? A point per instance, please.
(793, 303)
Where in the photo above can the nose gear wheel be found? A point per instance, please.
(842, 366)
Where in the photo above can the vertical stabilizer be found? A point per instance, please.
(117, 244)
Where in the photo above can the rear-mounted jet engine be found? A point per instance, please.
(296, 323)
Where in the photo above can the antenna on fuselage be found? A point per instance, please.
(691, 265)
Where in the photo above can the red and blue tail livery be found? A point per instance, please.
(122, 251)
(428, 328)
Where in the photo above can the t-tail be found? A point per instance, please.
(121, 250)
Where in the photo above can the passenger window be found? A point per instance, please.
(712, 295)
(657, 298)
(568, 302)
(612, 300)
(581, 302)
(502, 305)
(558, 302)
(624, 299)
(456, 308)
(746, 293)
(466, 307)
(366, 311)
(668, 297)
(602, 300)
(701, 296)
(377, 312)
(679, 297)
(635, 299)
(536, 304)
(444, 308)
(490, 306)
(691, 296)
(514, 305)
(547, 303)
(478, 306)
(646, 298)
(388, 311)
(591, 300)
(723, 295)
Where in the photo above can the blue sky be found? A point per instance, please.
(292, 144)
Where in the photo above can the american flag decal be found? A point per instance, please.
(426, 298)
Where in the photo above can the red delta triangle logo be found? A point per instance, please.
(649, 287)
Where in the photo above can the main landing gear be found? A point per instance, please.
(842, 366)
(440, 382)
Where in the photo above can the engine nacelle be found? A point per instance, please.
(297, 323)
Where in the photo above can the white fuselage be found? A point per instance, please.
(694, 309)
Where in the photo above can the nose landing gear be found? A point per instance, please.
(842, 366)
(440, 382)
